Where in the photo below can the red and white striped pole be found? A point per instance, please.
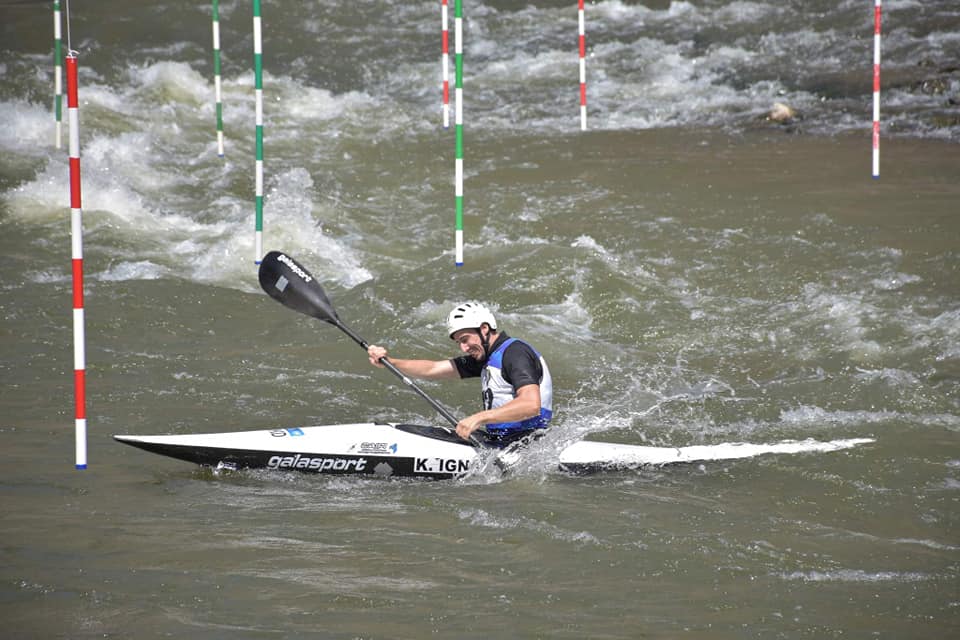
(445, 64)
(76, 235)
(583, 69)
(876, 88)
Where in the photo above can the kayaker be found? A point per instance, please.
(517, 390)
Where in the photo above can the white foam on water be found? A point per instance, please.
(523, 67)
(568, 319)
(169, 83)
(739, 12)
(32, 124)
(817, 416)
(846, 316)
(930, 544)
(892, 377)
(150, 192)
(138, 270)
(586, 242)
(947, 326)
(684, 64)
(858, 575)
(482, 518)
(895, 281)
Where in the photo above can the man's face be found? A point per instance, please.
(469, 342)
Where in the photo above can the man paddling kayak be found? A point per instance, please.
(517, 390)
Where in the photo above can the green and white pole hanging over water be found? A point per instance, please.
(458, 121)
(258, 91)
(216, 75)
(57, 73)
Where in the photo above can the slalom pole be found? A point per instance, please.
(216, 75)
(445, 63)
(76, 229)
(458, 90)
(258, 90)
(57, 73)
(876, 89)
(583, 68)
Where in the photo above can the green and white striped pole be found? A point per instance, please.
(216, 75)
(458, 122)
(57, 73)
(258, 90)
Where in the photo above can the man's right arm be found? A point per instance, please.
(426, 369)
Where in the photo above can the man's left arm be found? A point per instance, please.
(525, 405)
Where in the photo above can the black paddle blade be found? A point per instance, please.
(289, 283)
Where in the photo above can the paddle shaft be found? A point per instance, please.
(403, 377)
(290, 284)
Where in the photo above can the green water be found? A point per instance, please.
(689, 283)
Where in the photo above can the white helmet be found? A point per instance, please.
(469, 315)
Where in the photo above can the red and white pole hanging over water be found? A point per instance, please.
(583, 69)
(876, 88)
(445, 62)
(76, 234)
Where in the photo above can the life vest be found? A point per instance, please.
(498, 392)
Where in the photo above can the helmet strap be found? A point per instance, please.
(485, 341)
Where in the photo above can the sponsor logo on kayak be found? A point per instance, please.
(378, 448)
(294, 267)
(279, 433)
(440, 465)
(319, 464)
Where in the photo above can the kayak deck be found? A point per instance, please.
(352, 449)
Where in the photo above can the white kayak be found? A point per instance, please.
(405, 450)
